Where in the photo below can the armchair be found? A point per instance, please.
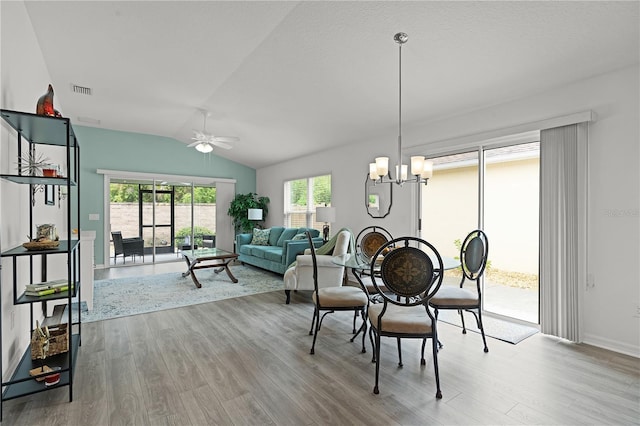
(300, 275)
(127, 247)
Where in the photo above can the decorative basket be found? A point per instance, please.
(58, 341)
(41, 245)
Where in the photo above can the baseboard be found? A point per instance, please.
(611, 345)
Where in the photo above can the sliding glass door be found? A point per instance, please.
(169, 216)
(511, 220)
(494, 189)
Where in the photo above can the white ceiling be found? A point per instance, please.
(292, 78)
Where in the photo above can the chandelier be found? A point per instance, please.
(421, 169)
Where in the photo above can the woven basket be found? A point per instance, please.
(58, 341)
(41, 245)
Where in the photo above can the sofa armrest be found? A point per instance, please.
(323, 261)
(292, 248)
(242, 239)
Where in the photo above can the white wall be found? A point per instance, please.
(24, 78)
(610, 317)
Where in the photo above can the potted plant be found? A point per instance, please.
(240, 206)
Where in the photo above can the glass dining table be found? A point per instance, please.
(360, 265)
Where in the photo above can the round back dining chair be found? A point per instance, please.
(473, 260)
(411, 273)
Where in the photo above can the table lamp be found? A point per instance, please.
(254, 214)
(327, 215)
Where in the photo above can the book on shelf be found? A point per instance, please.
(48, 291)
(47, 285)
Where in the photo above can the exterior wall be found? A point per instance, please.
(123, 214)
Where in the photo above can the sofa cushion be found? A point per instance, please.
(246, 249)
(258, 251)
(274, 235)
(273, 254)
(287, 234)
(301, 236)
(260, 237)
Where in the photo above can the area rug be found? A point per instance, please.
(506, 331)
(113, 298)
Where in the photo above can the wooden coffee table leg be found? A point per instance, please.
(225, 266)
(191, 272)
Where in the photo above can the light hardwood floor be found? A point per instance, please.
(246, 361)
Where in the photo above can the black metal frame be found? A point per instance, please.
(472, 270)
(411, 288)
(54, 131)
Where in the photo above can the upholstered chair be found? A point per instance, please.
(300, 275)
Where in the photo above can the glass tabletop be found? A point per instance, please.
(360, 262)
(206, 253)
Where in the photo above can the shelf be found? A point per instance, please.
(37, 180)
(63, 248)
(22, 383)
(22, 299)
(41, 129)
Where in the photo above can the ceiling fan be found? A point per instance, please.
(205, 142)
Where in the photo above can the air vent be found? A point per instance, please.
(81, 89)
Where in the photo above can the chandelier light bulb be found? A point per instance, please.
(382, 166)
(373, 173)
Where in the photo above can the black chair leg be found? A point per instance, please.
(315, 334)
(377, 356)
(373, 345)
(434, 345)
(481, 327)
(399, 352)
(287, 293)
(464, 329)
(422, 361)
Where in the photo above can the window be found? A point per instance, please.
(301, 197)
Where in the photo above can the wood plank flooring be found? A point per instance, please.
(246, 361)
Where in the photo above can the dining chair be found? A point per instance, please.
(368, 241)
(411, 273)
(473, 260)
(335, 298)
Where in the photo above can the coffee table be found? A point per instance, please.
(208, 258)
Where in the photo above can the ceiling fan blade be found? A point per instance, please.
(223, 145)
(226, 138)
(194, 144)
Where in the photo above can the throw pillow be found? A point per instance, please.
(287, 234)
(302, 236)
(260, 237)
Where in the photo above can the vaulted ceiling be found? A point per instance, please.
(292, 78)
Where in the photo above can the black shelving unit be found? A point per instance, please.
(32, 130)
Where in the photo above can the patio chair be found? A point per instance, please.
(473, 259)
(127, 247)
(209, 241)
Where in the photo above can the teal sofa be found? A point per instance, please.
(281, 250)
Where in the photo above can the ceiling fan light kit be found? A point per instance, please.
(205, 142)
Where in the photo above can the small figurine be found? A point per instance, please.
(45, 104)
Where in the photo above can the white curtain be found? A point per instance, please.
(563, 229)
(225, 234)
